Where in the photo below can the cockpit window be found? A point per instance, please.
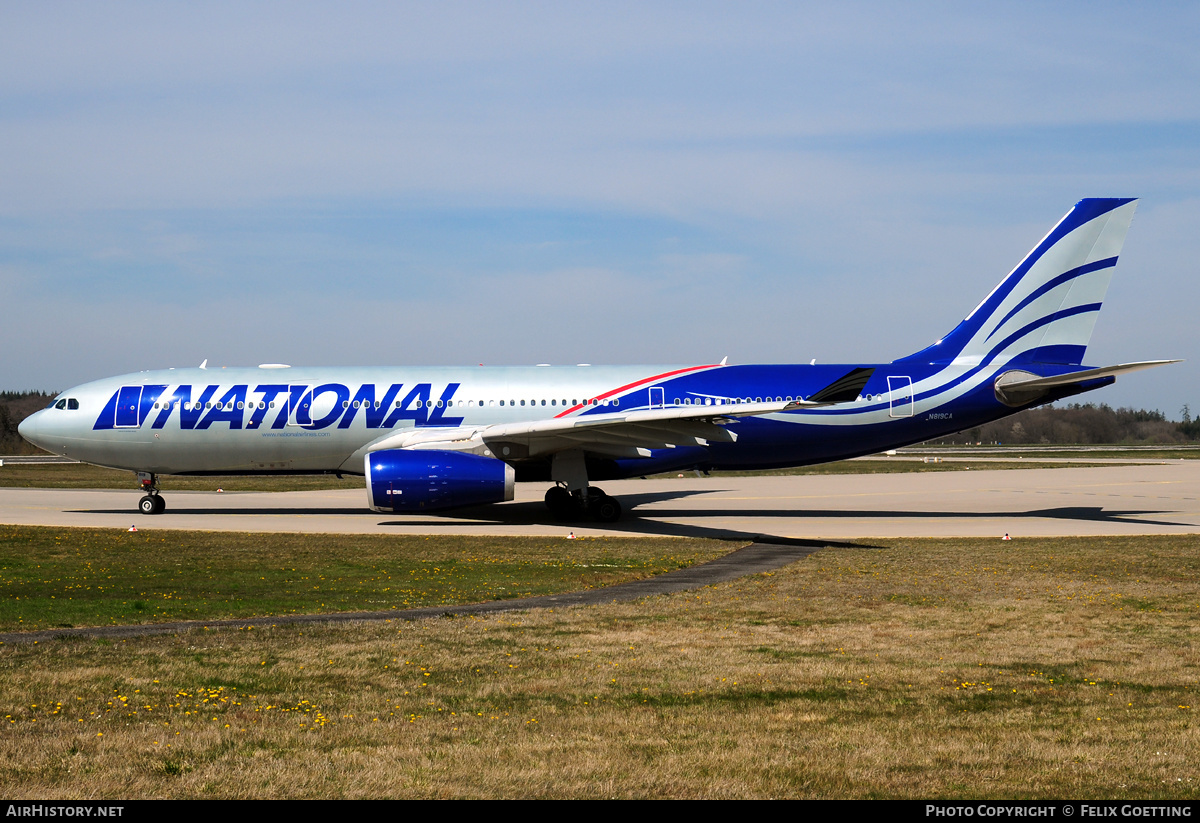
(61, 404)
(72, 403)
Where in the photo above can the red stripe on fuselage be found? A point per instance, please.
(634, 385)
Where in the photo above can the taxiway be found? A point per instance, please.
(1118, 499)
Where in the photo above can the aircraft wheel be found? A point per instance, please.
(160, 505)
(560, 503)
(148, 504)
(557, 498)
(606, 509)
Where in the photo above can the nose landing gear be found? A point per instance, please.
(152, 503)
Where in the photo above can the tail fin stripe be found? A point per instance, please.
(987, 360)
(1037, 324)
(1079, 252)
(1001, 346)
(1088, 268)
(993, 354)
(1085, 212)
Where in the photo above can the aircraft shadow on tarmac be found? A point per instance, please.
(530, 513)
(514, 514)
(1091, 514)
(653, 523)
(525, 514)
(232, 512)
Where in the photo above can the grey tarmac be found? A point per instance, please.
(1118, 499)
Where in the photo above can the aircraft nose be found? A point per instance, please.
(30, 427)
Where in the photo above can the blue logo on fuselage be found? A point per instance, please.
(277, 406)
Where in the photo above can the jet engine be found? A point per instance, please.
(415, 480)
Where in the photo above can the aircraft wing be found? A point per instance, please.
(617, 434)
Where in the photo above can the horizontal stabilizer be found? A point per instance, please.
(1018, 387)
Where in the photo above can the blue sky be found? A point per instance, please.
(365, 183)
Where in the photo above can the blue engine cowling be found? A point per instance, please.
(403, 480)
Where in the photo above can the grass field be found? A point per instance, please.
(1040, 668)
(70, 577)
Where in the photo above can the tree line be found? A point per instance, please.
(14, 407)
(1085, 424)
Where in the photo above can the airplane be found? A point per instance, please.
(433, 439)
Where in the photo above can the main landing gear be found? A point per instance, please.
(152, 503)
(590, 503)
(572, 498)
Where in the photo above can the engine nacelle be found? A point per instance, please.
(404, 480)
